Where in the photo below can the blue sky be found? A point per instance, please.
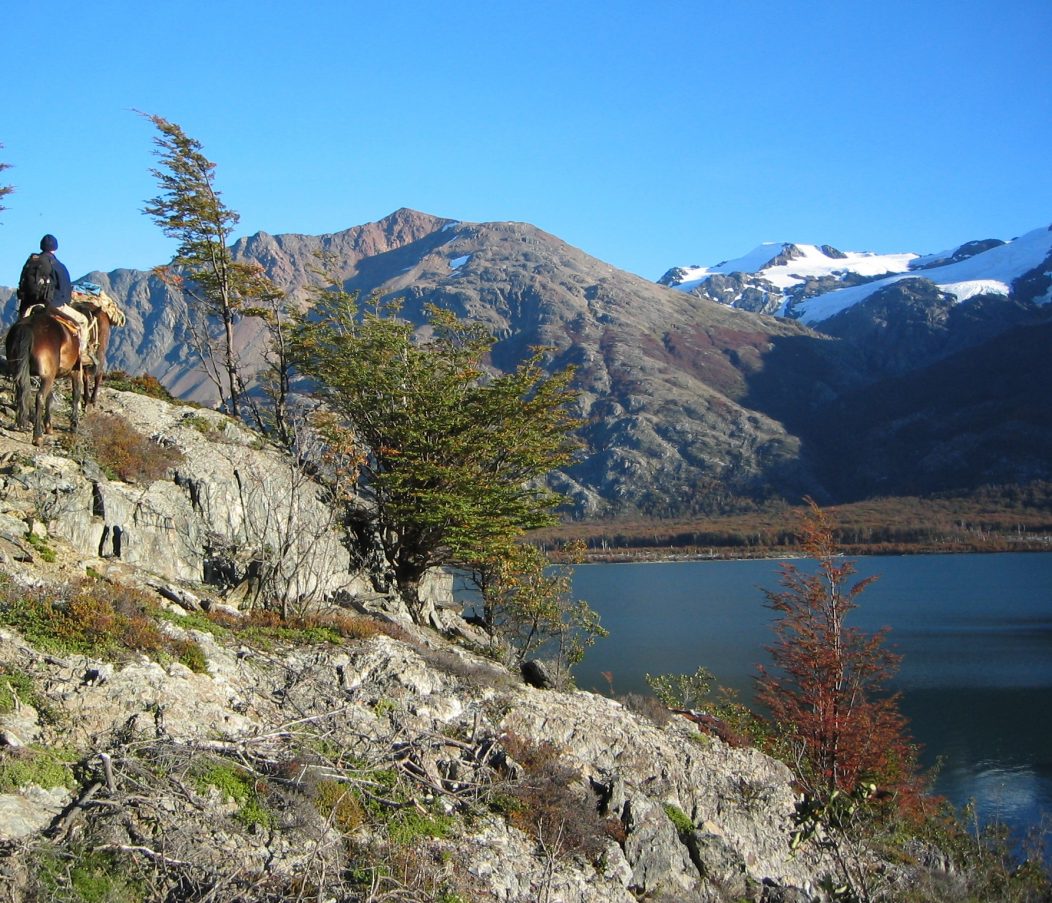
(649, 134)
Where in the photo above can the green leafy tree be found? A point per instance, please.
(451, 455)
(189, 208)
(527, 602)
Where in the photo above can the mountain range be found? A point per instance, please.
(795, 370)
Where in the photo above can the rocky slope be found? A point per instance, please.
(390, 764)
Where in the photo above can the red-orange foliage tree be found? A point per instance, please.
(828, 693)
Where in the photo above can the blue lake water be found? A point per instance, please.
(975, 633)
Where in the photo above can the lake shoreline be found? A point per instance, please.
(974, 633)
(654, 556)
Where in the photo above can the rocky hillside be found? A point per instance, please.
(160, 740)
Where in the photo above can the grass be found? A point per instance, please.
(45, 767)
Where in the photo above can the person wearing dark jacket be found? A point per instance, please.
(62, 293)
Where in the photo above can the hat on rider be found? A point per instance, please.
(49, 243)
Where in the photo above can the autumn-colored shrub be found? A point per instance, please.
(122, 451)
(828, 693)
(93, 618)
(549, 803)
(142, 385)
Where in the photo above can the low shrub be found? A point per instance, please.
(15, 687)
(549, 803)
(314, 628)
(42, 547)
(338, 803)
(92, 618)
(141, 385)
(122, 451)
(83, 876)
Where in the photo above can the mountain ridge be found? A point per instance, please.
(689, 404)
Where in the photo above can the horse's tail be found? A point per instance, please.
(22, 374)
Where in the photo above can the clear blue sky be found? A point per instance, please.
(649, 134)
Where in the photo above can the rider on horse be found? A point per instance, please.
(54, 288)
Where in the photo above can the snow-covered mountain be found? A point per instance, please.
(813, 283)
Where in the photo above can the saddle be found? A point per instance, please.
(71, 326)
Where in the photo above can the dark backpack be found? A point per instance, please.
(36, 285)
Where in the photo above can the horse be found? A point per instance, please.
(40, 345)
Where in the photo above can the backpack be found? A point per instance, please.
(36, 285)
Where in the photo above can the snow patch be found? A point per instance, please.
(991, 271)
(457, 262)
(969, 289)
(810, 262)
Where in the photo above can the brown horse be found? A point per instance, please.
(40, 345)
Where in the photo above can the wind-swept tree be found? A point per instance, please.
(5, 190)
(189, 208)
(829, 691)
(451, 455)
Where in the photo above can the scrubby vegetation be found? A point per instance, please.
(121, 451)
(829, 716)
(92, 617)
(144, 384)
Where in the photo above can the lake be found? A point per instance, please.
(975, 633)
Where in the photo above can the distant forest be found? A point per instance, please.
(992, 519)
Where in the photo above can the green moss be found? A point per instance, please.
(240, 787)
(679, 819)
(34, 764)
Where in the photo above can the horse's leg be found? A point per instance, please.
(24, 377)
(100, 354)
(42, 420)
(77, 380)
